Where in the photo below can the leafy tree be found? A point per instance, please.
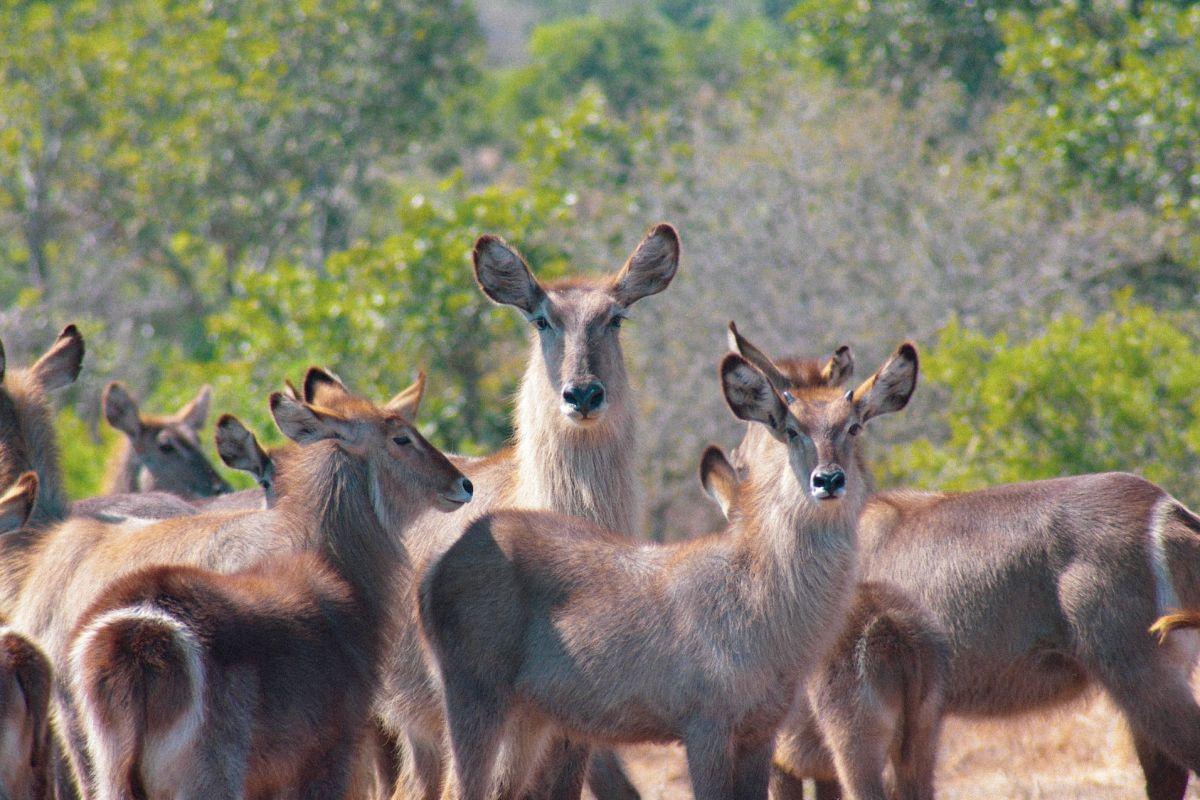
(904, 44)
(381, 311)
(1107, 97)
(1119, 393)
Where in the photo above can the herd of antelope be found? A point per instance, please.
(379, 620)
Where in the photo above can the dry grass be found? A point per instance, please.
(1081, 753)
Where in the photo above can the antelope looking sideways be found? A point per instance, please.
(540, 619)
(160, 453)
(24, 681)
(574, 453)
(1025, 581)
(185, 676)
(876, 698)
(71, 564)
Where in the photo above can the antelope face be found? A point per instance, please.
(813, 433)
(406, 473)
(577, 321)
(168, 448)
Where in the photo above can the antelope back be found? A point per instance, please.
(161, 453)
(28, 441)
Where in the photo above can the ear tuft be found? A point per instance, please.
(650, 268)
(60, 365)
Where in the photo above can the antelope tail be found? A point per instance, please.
(1169, 623)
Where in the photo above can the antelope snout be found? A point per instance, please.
(460, 495)
(583, 399)
(828, 482)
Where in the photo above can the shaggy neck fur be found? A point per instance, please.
(583, 472)
(336, 493)
(28, 442)
(799, 555)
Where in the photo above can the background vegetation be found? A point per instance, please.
(227, 191)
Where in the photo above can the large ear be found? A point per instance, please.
(839, 367)
(743, 346)
(195, 413)
(60, 365)
(17, 503)
(504, 276)
(121, 409)
(890, 388)
(750, 395)
(718, 477)
(651, 267)
(408, 402)
(239, 448)
(304, 423)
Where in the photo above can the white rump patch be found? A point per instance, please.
(165, 758)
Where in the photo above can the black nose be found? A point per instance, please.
(829, 480)
(586, 397)
(468, 487)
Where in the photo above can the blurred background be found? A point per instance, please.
(225, 192)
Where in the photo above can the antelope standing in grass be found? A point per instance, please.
(258, 683)
(160, 453)
(539, 619)
(71, 565)
(1047, 589)
(24, 681)
(876, 699)
(574, 452)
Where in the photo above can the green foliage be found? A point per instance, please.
(1119, 393)
(1108, 97)
(381, 311)
(84, 456)
(904, 44)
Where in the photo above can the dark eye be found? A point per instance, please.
(166, 446)
(854, 429)
(541, 323)
(793, 434)
(402, 440)
(616, 322)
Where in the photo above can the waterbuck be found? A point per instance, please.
(574, 452)
(24, 681)
(71, 564)
(538, 619)
(160, 453)
(258, 683)
(876, 698)
(1048, 588)
(27, 436)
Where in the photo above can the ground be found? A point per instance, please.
(1080, 753)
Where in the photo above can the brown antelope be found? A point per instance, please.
(258, 683)
(160, 453)
(540, 619)
(1046, 589)
(24, 682)
(239, 449)
(71, 564)
(27, 436)
(876, 698)
(574, 452)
